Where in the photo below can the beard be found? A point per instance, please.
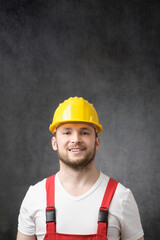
(78, 164)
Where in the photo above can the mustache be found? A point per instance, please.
(77, 146)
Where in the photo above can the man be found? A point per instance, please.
(74, 203)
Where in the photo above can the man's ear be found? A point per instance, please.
(54, 143)
(97, 143)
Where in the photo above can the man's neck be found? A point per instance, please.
(77, 182)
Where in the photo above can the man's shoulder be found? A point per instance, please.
(38, 187)
(122, 191)
(36, 193)
(40, 183)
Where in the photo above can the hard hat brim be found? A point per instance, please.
(53, 127)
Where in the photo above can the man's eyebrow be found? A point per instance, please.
(85, 128)
(66, 128)
(69, 128)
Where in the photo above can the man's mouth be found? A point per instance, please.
(76, 149)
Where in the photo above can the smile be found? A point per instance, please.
(76, 149)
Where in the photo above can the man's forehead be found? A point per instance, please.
(77, 125)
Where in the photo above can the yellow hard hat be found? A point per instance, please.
(75, 109)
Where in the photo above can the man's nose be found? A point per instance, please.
(75, 138)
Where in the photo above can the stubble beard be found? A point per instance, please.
(79, 164)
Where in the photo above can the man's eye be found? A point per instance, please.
(66, 133)
(85, 133)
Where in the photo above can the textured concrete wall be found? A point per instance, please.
(105, 51)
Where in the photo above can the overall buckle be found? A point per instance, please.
(50, 214)
(103, 215)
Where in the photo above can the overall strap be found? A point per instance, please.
(103, 212)
(50, 189)
(50, 209)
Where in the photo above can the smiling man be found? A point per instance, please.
(79, 202)
(76, 145)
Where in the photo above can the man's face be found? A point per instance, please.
(76, 144)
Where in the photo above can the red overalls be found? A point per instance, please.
(51, 233)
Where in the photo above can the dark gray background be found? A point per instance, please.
(104, 51)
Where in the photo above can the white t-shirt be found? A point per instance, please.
(79, 215)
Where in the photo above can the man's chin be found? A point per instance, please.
(77, 165)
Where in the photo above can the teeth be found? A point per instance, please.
(76, 150)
